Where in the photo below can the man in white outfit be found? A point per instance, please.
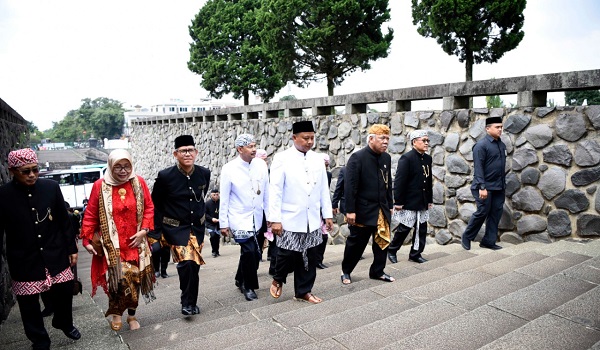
(244, 196)
(298, 194)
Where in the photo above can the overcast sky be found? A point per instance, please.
(55, 53)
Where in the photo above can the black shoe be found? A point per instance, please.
(196, 310)
(187, 310)
(419, 260)
(465, 242)
(164, 274)
(492, 247)
(218, 254)
(321, 266)
(72, 333)
(250, 294)
(214, 255)
(240, 285)
(47, 312)
(157, 274)
(393, 258)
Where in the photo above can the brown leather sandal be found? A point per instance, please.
(276, 289)
(309, 298)
(133, 323)
(115, 325)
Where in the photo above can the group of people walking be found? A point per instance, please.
(131, 231)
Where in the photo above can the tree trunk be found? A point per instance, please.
(469, 72)
(329, 85)
(246, 97)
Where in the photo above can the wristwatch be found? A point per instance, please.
(147, 229)
(482, 187)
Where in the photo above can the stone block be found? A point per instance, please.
(447, 117)
(557, 154)
(553, 182)
(528, 199)
(463, 118)
(464, 195)
(523, 157)
(437, 217)
(530, 224)
(438, 193)
(530, 176)
(477, 130)
(574, 201)
(587, 153)
(506, 222)
(593, 114)
(512, 184)
(397, 144)
(570, 127)
(466, 210)
(456, 164)
(344, 130)
(466, 149)
(443, 237)
(511, 237)
(451, 142)
(559, 223)
(539, 135)
(586, 176)
(588, 225)
(451, 208)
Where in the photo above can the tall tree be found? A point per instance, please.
(474, 30)
(102, 117)
(227, 51)
(311, 40)
(576, 98)
(494, 101)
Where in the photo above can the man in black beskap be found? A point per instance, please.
(413, 197)
(179, 212)
(40, 247)
(212, 221)
(369, 204)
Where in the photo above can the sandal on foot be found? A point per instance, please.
(346, 278)
(275, 289)
(385, 277)
(309, 298)
(115, 325)
(133, 323)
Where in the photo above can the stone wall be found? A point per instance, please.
(553, 166)
(13, 132)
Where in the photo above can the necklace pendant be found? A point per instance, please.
(258, 192)
(50, 217)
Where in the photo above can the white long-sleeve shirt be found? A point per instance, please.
(299, 191)
(244, 190)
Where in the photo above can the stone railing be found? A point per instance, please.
(531, 92)
(13, 134)
(552, 169)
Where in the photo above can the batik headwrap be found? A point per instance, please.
(21, 157)
(378, 129)
(418, 134)
(244, 140)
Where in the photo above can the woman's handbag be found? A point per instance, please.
(97, 245)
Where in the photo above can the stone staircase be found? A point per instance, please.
(527, 296)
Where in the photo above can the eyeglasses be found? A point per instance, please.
(186, 151)
(121, 168)
(28, 171)
(425, 140)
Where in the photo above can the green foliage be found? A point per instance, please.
(312, 40)
(494, 101)
(227, 51)
(288, 98)
(102, 117)
(474, 30)
(576, 98)
(550, 103)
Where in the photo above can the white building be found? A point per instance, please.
(171, 107)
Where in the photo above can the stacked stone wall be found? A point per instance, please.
(553, 163)
(13, 132)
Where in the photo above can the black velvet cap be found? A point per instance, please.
(214, 190)
(303, 126)
(493, 120)
(184, 140)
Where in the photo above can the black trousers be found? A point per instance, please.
(188, 282)
(289, 260)
(321, 249)
(61, 297)
(248, 264)
(418, 240)
(272, 252)
(214, 241)
(489, 210)
(160, 258)
(260, 239)
(355, 246)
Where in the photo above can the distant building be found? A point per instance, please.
(173, 106)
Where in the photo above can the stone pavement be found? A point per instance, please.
(527, 296)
